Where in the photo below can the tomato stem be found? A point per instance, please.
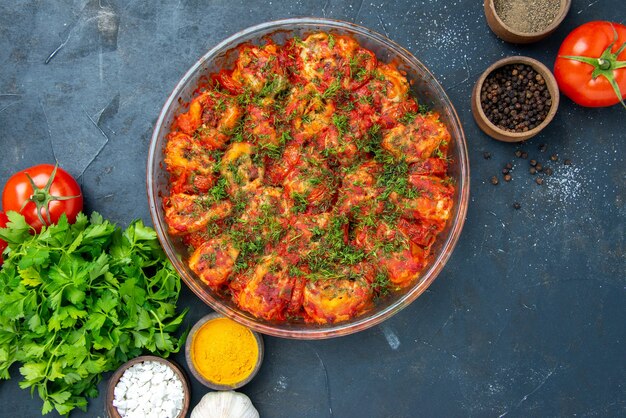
(42, 197)
(603, 64)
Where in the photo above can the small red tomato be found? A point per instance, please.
(42, 194)
(3, 244)
(591, 65)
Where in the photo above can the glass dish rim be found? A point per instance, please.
(372, 317)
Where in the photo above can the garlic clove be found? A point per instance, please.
(227, 404)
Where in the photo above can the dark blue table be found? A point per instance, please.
(527, 318)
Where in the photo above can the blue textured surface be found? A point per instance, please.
(527, 318)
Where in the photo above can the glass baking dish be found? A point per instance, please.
(424, 87)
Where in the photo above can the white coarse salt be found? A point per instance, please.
(149, 390)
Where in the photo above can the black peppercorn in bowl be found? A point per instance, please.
(515, 99)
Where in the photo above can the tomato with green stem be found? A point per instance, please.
(42, 194)
(591, 64)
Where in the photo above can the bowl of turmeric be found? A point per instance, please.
(223, 354)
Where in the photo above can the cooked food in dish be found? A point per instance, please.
(306, 181)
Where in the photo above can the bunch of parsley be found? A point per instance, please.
(79, 300)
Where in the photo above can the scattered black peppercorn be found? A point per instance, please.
(539, 167)
(517, 205)
(524, 154)
(508, 166)
(543, 147)
(539, 181)
(486, 155)
(515, 98)
(548, 171)
(533, 162)
(518, 153)
(505, 171)
(532, 170)
(554, 157)
(507, 177)
(494, 180)
(567, 162)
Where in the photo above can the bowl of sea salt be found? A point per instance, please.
(148, 386)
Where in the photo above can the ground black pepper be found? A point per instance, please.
(518, 153)
(532, 170)
(548, 171)
(567, 162)
(543, 147)
(524, 154)
(515, 98)
(527, 16)
(539, 167)
(539, 181)
(517, 205)
(486, 155)
(554, 157)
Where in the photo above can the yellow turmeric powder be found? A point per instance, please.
(224, 352)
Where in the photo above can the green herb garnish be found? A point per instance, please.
(78, 301)
(332, 89)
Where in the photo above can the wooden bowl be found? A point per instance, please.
(509, 34)
(498, 133)
(199, 376)
(115, 378)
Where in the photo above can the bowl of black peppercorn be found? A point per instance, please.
(515, 98)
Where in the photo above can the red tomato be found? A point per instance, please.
(42, 194)
(3, 244)
(591, 65)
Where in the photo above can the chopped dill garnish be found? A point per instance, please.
(408, 118)
(341, 123)
(300, 202)
(381, 284)
(331, 41)
(332, 89)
